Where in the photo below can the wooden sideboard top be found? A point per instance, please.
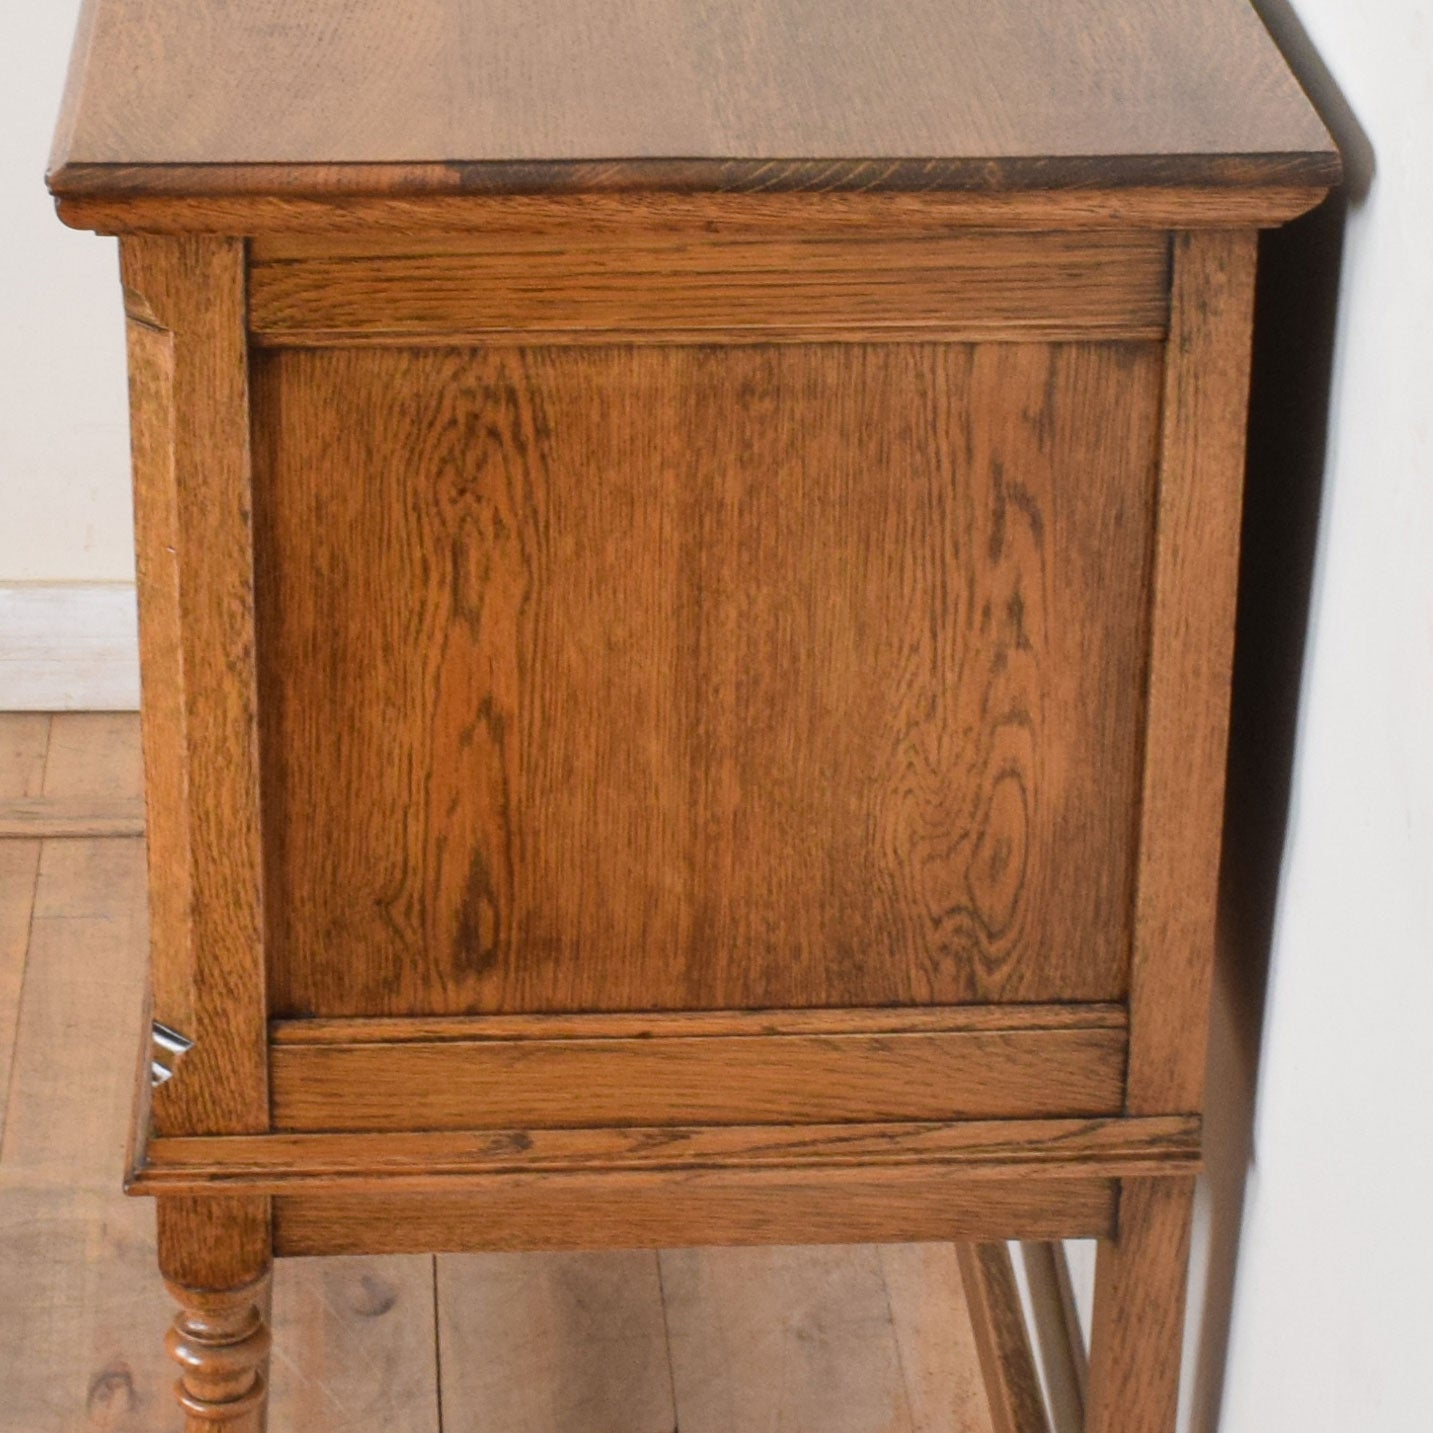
(370, 97)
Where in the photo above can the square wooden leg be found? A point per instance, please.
(1138, 1332)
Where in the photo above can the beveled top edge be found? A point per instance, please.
(618, 213)
(1313, 169)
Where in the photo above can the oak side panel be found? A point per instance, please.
(1196, 561)
(190, 431)
(701, 678)
(674, 1210)
(771, 1080)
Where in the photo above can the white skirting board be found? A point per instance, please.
(68, 646)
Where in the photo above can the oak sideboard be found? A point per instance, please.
(687, 558)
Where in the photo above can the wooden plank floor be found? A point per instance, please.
(835, 1340)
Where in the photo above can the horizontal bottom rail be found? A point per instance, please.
(445, 1161)
(671, 1209)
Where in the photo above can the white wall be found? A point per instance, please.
(1333, 1305)
(64, 445)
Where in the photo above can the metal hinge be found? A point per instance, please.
(169, 1046)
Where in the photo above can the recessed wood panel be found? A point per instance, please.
(625, 678)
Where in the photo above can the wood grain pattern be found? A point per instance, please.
(1138, 1331)
(660, 1024)
(279, 218)
(579, 1211)
(52, 816)
(563, 94)
(216, 1256)
(80, 992)
(220, 1339)
(190, 404)
(355, 1346)
(438, 1160)
(508, 1084)
(543, 1343)
(861, 1339)
(802, 1342)
(1012, 1382)
(965, 286)
(930, 1316)
(83, 1315)
(69, 775)
(94, 757)
(876, 654)
(24, 743)
(1192, 647)
(221, 1242)
(19, 870)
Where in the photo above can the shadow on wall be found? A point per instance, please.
(1289, 407)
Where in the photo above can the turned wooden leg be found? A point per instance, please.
(215, 1255)
(1138, 1331)
(221, 1343)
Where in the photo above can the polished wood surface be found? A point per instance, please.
(216, 1255)
(647, 710)
(659, 289)
(1137, 1333)
(871, 1340)
(353, 96)
(658, 1024)
(577, 1211)
(1191, 662)
(221, 1343)
(285, 217)
(446, 1160)
(188, 375)
(708, 1080)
